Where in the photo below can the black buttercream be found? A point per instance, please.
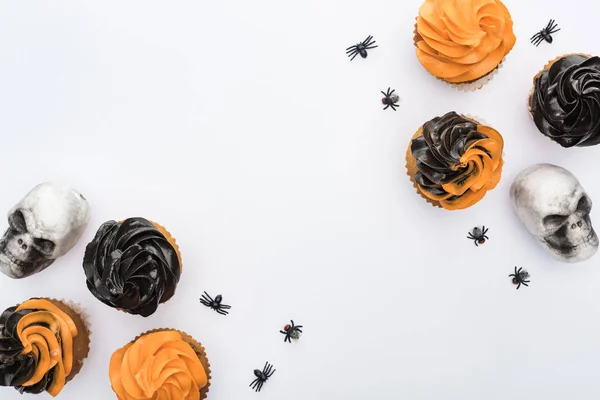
(439, 149)
(131, 266)
(566, 101)
(15, 367)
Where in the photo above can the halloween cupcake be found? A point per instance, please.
(43, 343)
(565, 100)
(463, 41)
(454, 160)
(132, 265)
(163, 364)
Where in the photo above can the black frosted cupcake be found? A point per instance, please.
(132, 265)
(565, 101)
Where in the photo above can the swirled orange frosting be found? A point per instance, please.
(47, 335)
(463, 40)
(157, 366)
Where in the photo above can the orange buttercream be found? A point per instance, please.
(463, 40)
(157, 366)
(47, 334)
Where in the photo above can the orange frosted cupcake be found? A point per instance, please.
(163, 364)
(43, 343)
(453, 161)
(463, 41)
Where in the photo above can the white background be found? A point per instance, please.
(243, 128)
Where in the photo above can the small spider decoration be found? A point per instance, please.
(519, 277)
(478, 235)
(545, 34)
(390, 99)
(291, 332)
(215, 304)
(262, 377)
(361, 48)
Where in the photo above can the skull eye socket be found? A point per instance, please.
(584, 206)
(17, 222)
(554, 221)
(44, 245)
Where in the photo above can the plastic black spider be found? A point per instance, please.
(361, 48)
(215, 304)
(262, 377)
(390, 99)
(519, 277)
(478, 235)
(545, 34)
(291, 332)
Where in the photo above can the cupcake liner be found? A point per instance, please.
(411, 162)
(470, 86)
(170, 239)
(198, 349)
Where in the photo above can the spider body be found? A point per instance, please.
(291, 332)
(545, 34)
(520, 277)
(215, 304)
(478, 235)
(361, 48)
(262, 376)
(390, 99)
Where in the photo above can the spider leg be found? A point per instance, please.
(353, 47)
(470, 236)
(259, 386)
(225, 306)
(367, 40)
(254, 382)
(549, 24)
(485, 230)
(370, 47)
(207, 296)
(270, 374)
(298, 328)
(519, 285)
(475, 241)
(266, 370)
(386, 107)
(351, 52)
(525, 283)
(534, 37)
(354, 56)
(284, 332)
(218, 310)
(393, 106)
(554, 31)
(537, 42)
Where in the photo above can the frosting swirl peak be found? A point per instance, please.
(463, 40)
(565, 102)
(457, 160)
(132, 266)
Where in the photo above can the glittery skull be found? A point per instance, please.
(556, 209)
(43, 226)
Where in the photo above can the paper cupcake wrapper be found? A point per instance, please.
(198, 349)
(411, 162)
(471, 86)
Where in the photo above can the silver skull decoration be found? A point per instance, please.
(43, 226)
(554, 207)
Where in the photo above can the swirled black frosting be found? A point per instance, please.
(131, 266)
(16, 368)
(566, 101)
(457, 159)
